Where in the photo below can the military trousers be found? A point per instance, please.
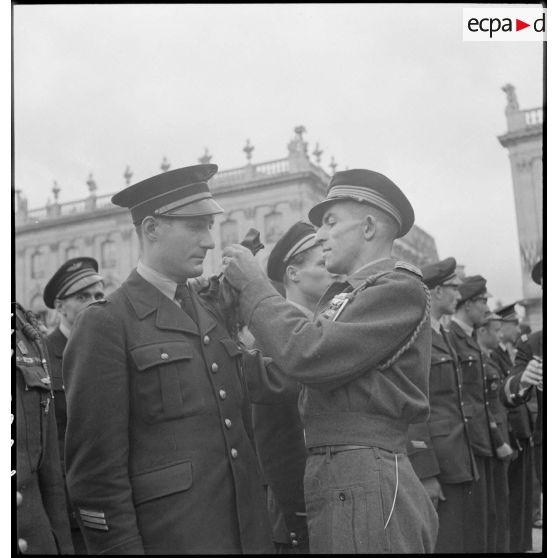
(367, 501)
(455, 529)
(520, 481)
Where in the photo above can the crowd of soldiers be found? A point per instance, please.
(340, 402)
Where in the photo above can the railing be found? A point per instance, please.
(533, 117)
(245, 174)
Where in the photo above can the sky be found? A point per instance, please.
(392, 88)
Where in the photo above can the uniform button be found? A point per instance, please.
(462, 403)
(206, 340)
(234, 453)
(459, 386)
(465, 419)
(214, 367)
(228, 423)
(222, 394)
(443, 359)
(164, 356)
(342, 497)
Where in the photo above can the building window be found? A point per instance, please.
(37, 265)
(229, 233)
(273, 227)
(108, 254)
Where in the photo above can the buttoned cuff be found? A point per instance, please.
(252, 294)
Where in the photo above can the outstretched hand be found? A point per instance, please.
(240, 266)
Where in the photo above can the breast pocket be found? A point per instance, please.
(470, 368)
(168, 384)
(442, 375)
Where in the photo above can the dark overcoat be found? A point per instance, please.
(41, 518)
(158, 457)
(349, 398)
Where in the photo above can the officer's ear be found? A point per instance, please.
(436, 292)
(150, 228)
(291, 273)
(370, 227)
(58, 304)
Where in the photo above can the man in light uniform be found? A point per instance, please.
(363, 362)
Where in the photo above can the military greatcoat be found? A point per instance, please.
(348, 400)
(440, 447)
(41, 519)
(158, 457)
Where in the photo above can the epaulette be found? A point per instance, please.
(408, 267)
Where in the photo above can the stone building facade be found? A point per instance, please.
(523, 140)
(267, 196)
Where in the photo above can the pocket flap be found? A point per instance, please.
(468, 359)
(156, 354)
(439, 428)
(231, 347)
(162, 482)
(35, 377)
(439, 359)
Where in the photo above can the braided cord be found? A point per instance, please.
(415, 333)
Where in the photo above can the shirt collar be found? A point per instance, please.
(158, 280)
(64, 330)
(465, 327)
(308, 313)
(436, 325)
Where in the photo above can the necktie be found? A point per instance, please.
(184, 298)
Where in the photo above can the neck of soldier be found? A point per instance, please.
(294, 294)
(461, 314)
(436, 311)
(371, 252)
(152, 258)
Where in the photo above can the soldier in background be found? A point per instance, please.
(73, 287)
(439, 449)
(520, 470)
(42, 521)
(470, 312)
(297, 263)
(487, 337)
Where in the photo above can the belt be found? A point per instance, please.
(322, 450)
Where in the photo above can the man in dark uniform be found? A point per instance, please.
(42, 521)
(487, 337)
(158, 457)
(520, 471)
(528, 375)
(297, 263)
(363, 363)
(74, 286)
(470, 312)
(439, 449)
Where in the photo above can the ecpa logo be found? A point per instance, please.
(504, 24)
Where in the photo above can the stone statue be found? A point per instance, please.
(513, 104)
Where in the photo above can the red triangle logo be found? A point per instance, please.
(519, 25)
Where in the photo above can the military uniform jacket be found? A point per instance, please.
(440, 447)
(475, 391)
(55, 343)
(157, 454)
(519, 417)
(346, 398)
(495, 381)
(527, 347)
(41, 518)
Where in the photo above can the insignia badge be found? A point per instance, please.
(28, 360)
(45, 380)
(419, 444)
(22, 347)
(338, 302)
(75, 267)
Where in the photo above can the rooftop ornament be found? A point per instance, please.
(56, 191)
(165, 165)
(205, 158)
(128, 175)
(317, 153)
(248, 150)
(91, 184)
(332, 165)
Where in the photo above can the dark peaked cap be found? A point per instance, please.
(536, 273)
(366, 186)
(299, 238)
(472, 286)
(437, 273)
(70, 278)
(507, 313)
(178, 193)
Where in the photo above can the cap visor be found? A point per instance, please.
(207, 206)
(83, 283)
(316, 214)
